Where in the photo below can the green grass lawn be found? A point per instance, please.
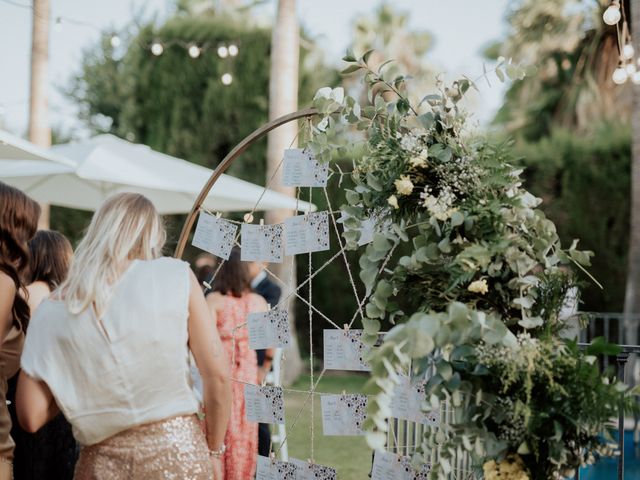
(350, 456)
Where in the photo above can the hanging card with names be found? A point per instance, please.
(390, 466)
(343, 414)
(268, 329)
(272, 469)
(344, 350)
(306, 233)
(300, 168)
(312, 471)
(407, 400)
(214, 235)
(264, 404)
(261, 243)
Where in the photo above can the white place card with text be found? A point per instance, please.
(343, 414)
(389, 466)
(273, 469)
(344, 350)
(268, 329)
(312, 471)
(264, 404)
(306, 233)
(407, 400)
(300, 168)
(261, 243)
(214, 235)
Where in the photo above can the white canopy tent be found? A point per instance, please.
(82, 174)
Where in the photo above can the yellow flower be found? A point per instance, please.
(404, 186)
(479, 286)
(417, 162)
(393, 201)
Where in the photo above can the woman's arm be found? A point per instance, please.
(7, 297)
(208, 352)
(35, 405)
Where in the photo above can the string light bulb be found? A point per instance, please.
(628, 51)
(630, 68)
(620, 75)
(115, 41)
(223, 51)
(157, 49)
(233, 50)
(635, 78)
(612, 14)
(226, 79)
(194, 51)
(58, 25)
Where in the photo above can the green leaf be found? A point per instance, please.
(457, 219)
(349, 56)
(367, 54)
(499, 74)
(381, 243)
(350, 69)
(600, 346)
(383, 65)
(373, 182)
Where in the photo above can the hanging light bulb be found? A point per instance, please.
(612, 15)
(156, 48)
(630, 68)
(223, 51)
(628, 51)
(233, 50)
(194, 51)
(58, 25)
(115, 41)
(620, 75)
(226, 79)
(636, 78)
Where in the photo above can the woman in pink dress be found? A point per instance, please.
(232, 301)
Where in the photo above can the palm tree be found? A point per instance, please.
(39, 131)
(283, 99)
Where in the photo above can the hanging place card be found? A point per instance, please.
(312, 471)
(264, 404)
(389, 466)
(261, 243)
(343, 414)
(272, 469)
(268, 329)
(344, 350)
(306, 233)
(301, 169)
(407, 400)
(214, 235)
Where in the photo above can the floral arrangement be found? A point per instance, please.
(469, 277)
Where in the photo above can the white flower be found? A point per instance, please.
(393, 201)
(404, 186)
(417, 162)
(478, 286)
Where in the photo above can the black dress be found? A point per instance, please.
(49, 454)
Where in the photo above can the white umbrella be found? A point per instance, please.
(15, 148)
(106, 164)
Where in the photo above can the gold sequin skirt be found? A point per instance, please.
(173, 449)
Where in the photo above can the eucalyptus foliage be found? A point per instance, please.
(475, 295)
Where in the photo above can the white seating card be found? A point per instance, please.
(389, 466)
(344, 350)
(343, 414)
(407, 400)
(264, 404)
(272, 469)
(301, 169)
(214, 235)
(261, 243)
(268, 329)
(312, 471)
(306, 233)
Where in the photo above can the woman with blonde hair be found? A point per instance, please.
(111, 350)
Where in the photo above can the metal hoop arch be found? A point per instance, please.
(226, 163)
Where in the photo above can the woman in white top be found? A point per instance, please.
(110, 349)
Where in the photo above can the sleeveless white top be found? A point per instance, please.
(130, 369)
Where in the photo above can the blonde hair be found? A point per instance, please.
(125, 227)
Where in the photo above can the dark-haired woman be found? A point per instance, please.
(231, 301)
(18, 224)
(52, 451)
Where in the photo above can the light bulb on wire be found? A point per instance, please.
(628, 51)
(635, 78)
(620, 75)
(223, 51)
(157, 49)
(194, 51)
(233, 50)
(630, 68)
(115, 41)
(226, 79)
(58, 25)
(612, 14)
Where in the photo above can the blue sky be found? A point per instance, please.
(461, 29)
